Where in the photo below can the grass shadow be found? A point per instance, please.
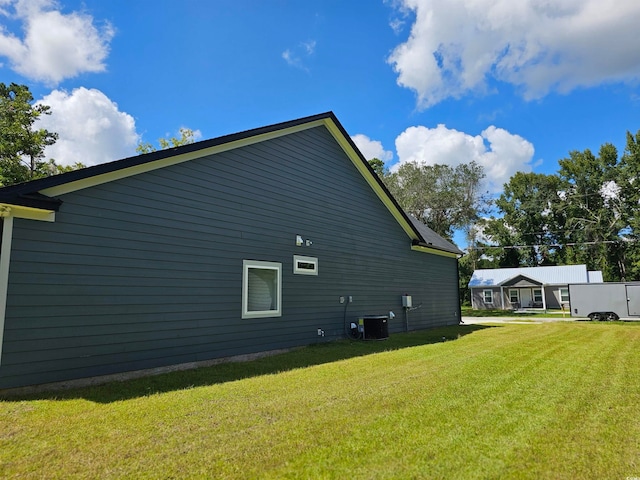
(309, 356)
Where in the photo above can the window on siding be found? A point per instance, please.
(261, 289)
(514, 296)
(488, 296)
(537, 295)
(305, 265)
(564, 294)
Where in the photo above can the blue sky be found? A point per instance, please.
(513, 85)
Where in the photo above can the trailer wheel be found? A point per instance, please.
(611, 316)
(595, 316)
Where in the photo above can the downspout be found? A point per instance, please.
(5, 258)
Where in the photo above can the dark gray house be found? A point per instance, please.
(246, 243)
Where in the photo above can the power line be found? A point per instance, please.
(552, 245)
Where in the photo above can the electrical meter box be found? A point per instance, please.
(406, 301)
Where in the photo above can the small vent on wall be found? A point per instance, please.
(305, 265)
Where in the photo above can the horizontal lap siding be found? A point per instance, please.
(147, 271)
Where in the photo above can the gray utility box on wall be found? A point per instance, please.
(376, 327)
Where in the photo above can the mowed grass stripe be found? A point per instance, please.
(514, 401)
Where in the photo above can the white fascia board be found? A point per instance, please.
(434, 251)
(30, 213)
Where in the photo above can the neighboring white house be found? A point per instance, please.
(527, 287)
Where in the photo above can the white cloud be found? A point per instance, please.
(499, 152)
(296, 57)
(55, 46)
(371, 148)
(397, 25)
(91, 128)
(309, 47)
(455, 46)
(479, 232)
(610, 191)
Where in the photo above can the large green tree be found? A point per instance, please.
(595, 210)
(21, 144)
(629, 184)
(531, 220)
(442, 197)
(378, 166)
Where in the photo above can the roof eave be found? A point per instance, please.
(32, 200)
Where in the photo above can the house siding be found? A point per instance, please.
(552, 297)
(477, 299)
(146, 271)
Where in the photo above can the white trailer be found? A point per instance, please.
(605, 301)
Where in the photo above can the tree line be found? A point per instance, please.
(588, 212)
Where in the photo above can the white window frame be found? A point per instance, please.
(517, 292)
(258, 264)
(300, 259)
(484, 297)
(564, 294)
(533, 294)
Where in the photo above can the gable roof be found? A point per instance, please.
(553, 275)
(38, 199)
(431, 237)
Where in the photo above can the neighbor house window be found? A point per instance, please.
(261, 289)
(514, 296)
(564, 294)
(488, 296)
(537, 295)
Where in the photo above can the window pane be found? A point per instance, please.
(513, 296)
(263, 290)
(564, 294)
(537, 295)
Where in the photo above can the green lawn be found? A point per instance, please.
(557, 400)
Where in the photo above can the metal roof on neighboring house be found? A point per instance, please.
(553, 275)
(595, 276)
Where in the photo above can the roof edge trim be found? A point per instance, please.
(30, 213)
(526, 277)
(435, 251)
